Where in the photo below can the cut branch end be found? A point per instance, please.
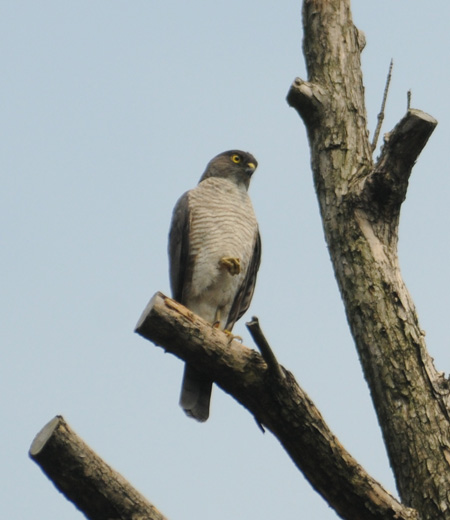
(307, 98)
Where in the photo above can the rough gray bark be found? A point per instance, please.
(360, 205)
(277, 403)
(80, 474)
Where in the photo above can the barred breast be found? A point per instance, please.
(222, 224)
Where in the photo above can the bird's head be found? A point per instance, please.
(235, 165)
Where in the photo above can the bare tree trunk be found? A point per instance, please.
(360, 205)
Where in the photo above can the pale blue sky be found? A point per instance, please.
(110, 110)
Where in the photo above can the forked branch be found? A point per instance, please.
(279, 404)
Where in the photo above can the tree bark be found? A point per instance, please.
(360, 206)
(81, 475)
(278, 403)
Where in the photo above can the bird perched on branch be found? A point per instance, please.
(214, 256)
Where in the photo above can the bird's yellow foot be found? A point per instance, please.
(232, 337)
(232, 264)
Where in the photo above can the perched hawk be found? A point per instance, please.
(214, 255)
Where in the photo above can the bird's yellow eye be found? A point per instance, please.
(236, 158)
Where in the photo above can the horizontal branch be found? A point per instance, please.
(277, 403)
(98, 491)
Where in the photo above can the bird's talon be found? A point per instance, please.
(232, 337)
(232, 264)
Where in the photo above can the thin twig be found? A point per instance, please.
(383, 105)
(264, 347)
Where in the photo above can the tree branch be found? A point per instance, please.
(80, 474)
(277, 403)
(307, 98)
(383, 106)
(264, 347)
(402, 146)
(384, 189)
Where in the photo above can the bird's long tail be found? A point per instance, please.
(195, 394)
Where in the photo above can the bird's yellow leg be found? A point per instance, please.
(230, 335)
(216, 322)
(231, 264)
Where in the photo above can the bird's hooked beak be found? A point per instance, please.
(251, 167)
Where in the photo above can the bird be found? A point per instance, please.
(214, 256)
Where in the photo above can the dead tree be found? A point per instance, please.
(360, 200)
(360, 203)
